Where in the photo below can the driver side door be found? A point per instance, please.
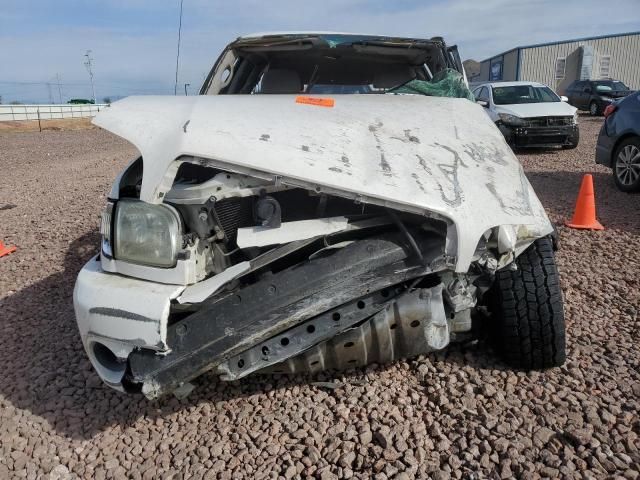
(585, 95)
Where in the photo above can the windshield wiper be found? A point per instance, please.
(313, 79)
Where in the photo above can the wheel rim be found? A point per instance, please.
(628, 165)
(593, 109)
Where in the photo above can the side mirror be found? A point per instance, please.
(484, 103)
(564, 99)
(587, 90)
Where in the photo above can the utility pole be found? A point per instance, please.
(89, 64)
(59, 88)
(175, 87)
(185, 88)
(50, 95)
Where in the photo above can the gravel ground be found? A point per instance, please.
(456, 414)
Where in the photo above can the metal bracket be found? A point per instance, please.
(298, 339)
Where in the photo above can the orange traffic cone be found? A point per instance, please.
(6, 250)
(585, 213)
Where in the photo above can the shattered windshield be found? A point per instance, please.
(329, 64)
(517, 94)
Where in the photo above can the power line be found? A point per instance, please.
(175, 87)
(59, 88)
(89, 63)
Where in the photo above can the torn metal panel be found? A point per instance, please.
(289, 232)
(467, 162)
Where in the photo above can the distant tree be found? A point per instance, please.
(15, 102)
(106, 100)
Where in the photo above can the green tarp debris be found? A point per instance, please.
(446, 83)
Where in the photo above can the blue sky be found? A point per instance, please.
(134, 41)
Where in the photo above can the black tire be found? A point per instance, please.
(625, 166)
(527, 310)
(573, 141)
(594, 109)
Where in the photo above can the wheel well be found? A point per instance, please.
(617, 144)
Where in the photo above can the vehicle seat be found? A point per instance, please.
(281, 81)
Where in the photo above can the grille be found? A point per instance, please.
(541, 140)
(234, 213)
(548, 121)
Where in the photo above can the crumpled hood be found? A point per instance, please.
(542, 109)
(414, 153)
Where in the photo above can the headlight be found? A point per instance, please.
(608, 99)
(512, 120)
(575, 118)
(146, 234)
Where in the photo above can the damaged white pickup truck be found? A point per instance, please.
(325, 202)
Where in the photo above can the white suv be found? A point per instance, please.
(530, 114)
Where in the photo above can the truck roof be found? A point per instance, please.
(259, 35)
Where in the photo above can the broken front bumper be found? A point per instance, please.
(371, 301)
(116, 314)
(539, 136)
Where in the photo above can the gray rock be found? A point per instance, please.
(542, 436)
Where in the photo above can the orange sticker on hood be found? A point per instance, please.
(318, 102)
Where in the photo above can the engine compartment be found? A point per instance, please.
(218, 206)
(292, 279)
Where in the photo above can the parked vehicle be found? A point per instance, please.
(595, 95)
(618, 144)
(266, 227)
(529, 114)
(80, 101)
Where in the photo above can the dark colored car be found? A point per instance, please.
(618, 144)
(80, 101)
(595, 95)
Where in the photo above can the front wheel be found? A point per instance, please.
(594, 110)
(527, 310)
(626, 165)
(573, 141)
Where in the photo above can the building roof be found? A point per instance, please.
(582, 39)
